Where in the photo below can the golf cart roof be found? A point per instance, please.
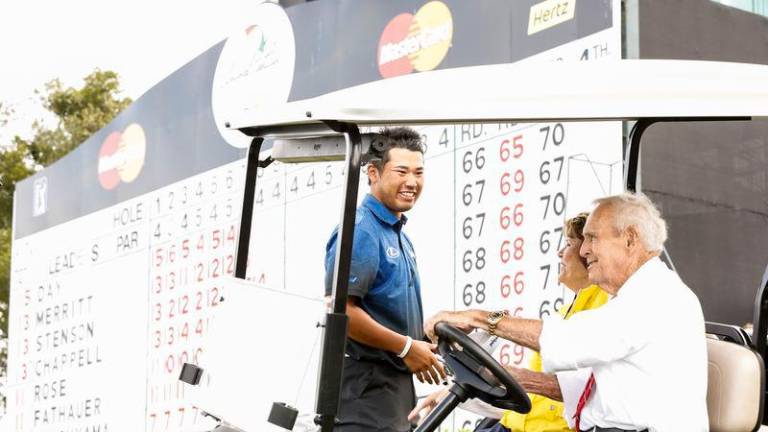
(577, 91)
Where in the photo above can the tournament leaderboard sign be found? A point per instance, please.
(122, 249)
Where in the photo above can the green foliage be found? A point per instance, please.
(5, 280)
(13, 167)
(5, 113)
(80, 113)
(5, 271)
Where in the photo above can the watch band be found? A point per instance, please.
(493, 319)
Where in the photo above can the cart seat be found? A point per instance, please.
(736, 384)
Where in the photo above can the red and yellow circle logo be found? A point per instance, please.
(417, 42)
(121, 157)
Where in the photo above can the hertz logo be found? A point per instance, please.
(415, 42)
(550, 13)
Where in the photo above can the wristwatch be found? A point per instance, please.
(493, 319)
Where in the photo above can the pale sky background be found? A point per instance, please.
(142, 40)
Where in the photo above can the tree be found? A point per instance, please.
(5, 113)
(79, 113)
(14, 166)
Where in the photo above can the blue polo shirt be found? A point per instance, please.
(383, 275)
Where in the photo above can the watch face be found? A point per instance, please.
(496, 316)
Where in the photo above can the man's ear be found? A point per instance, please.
(373, 174)
(631, 236)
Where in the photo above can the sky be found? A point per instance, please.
(142, 40)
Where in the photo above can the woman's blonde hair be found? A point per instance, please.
(574, 227)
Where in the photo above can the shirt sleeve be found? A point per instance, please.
(364, 266)
(593, 337)
(481, 408)
(572, 384)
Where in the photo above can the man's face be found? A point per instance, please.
(606, 251)
(400, 181)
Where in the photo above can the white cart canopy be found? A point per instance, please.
(583, 91)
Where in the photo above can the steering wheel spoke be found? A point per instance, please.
(475, 375)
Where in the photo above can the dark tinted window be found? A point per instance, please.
(711, 182)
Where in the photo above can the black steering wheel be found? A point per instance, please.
(476, 375)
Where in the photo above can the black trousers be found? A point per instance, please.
(375, 397)
(490, 425)
(601, 429)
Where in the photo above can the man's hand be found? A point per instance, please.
(522, 331)
(426, 405)
(536, 382)
(464, 321)
(519, 374)
(422, 362)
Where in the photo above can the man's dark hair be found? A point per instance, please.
(389, 138)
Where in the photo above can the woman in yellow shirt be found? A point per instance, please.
(546, 414)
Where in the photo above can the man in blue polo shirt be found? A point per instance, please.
(385, 343)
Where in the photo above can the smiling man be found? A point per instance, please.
(646, 346)
(385, 345)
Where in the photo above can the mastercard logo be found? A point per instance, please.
(416, 42)
(121, 156)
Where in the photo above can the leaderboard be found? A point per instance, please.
(108, 319)
(486, 229)
(123, 253)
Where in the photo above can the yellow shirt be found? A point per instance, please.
(546, 415)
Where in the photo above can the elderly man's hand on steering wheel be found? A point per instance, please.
(462, 320)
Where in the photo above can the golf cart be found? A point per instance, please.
(334, 127)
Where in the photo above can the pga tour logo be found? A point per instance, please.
(40, 196)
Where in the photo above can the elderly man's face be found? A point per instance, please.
(606, 250)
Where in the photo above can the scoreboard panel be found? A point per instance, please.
(122, 255)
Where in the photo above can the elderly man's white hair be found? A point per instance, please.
(636, 209)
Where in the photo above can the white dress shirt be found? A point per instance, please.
(647, 349)
(571, 384)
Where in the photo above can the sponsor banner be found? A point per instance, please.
(168, 134)
(178, 128)
(375, 39)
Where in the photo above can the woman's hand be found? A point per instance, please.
(426, 405)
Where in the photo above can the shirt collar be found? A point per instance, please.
(641, 275)
(382, 212)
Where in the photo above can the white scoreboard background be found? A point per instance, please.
(108, 301)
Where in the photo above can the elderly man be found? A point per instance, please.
(646, 346)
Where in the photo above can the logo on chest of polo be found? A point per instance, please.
(392, 252)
